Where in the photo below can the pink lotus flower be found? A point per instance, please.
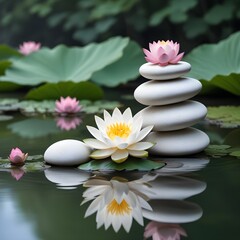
(163, 53)
(164, 231)
(68, 123)
(29, 47)
(17, 157)
(17, 173)
(67, 105)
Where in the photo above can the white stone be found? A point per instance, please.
(167, 92)
(173, 211)
(175, 187)
(66, 178)
(67, 152)
(176, 143)
(174, 116)
(157, 72)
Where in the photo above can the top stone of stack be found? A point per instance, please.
(158, 72)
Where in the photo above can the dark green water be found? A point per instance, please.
(37, 208)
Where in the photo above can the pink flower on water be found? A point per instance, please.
(164, 231)
(67, 105)
(68, 123)
(163, 53)
(17, 173)
(29, 47)
(17, 157)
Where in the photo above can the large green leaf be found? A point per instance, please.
(123, 70)
(6, 52)
(82, 90)
(219, 13)
(218, 63)
(65, 64)
(130, 164)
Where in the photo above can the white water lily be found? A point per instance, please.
(116, 202)
(119, 136)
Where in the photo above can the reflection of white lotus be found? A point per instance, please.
(118, 136)
(116, 202)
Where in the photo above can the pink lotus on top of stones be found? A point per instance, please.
(67, 105)
(163, 53)
(28, 47)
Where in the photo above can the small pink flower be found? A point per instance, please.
(17, 173)
(68, 123)
(163, 53)
(17, 157)
(164, 231)
(29, 47)
(67, 105)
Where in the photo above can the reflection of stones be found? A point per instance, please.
(173, 211)
(68, 152)
(68, 123)
(176, 143)
(175, 187)
(170, 111)
(66, 178)
(175, 166)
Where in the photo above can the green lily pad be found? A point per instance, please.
(98, 106)
(235, 154)
(218, 64)
(32, 163)
(123, 70)
(225, 116)
(217, 151)
(34, 128)
(82, 90)
(130, 164)
(64, 63)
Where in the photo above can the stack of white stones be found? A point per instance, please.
(170, 111)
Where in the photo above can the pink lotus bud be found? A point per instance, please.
(163, 53)
(67, 105)
(17, 173)
(29, 47)
(17, 157)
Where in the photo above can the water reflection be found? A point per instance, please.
(164, 231)
(66, 178)
(17, 173)
(116, 201)
(119, 198)
(68, 123)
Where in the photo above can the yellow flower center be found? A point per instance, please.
(121, 130)
(163, 43)
(115, 208)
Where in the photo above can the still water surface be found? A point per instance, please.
(197, 196)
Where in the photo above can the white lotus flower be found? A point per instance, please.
(116, 202)
(119, 136)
